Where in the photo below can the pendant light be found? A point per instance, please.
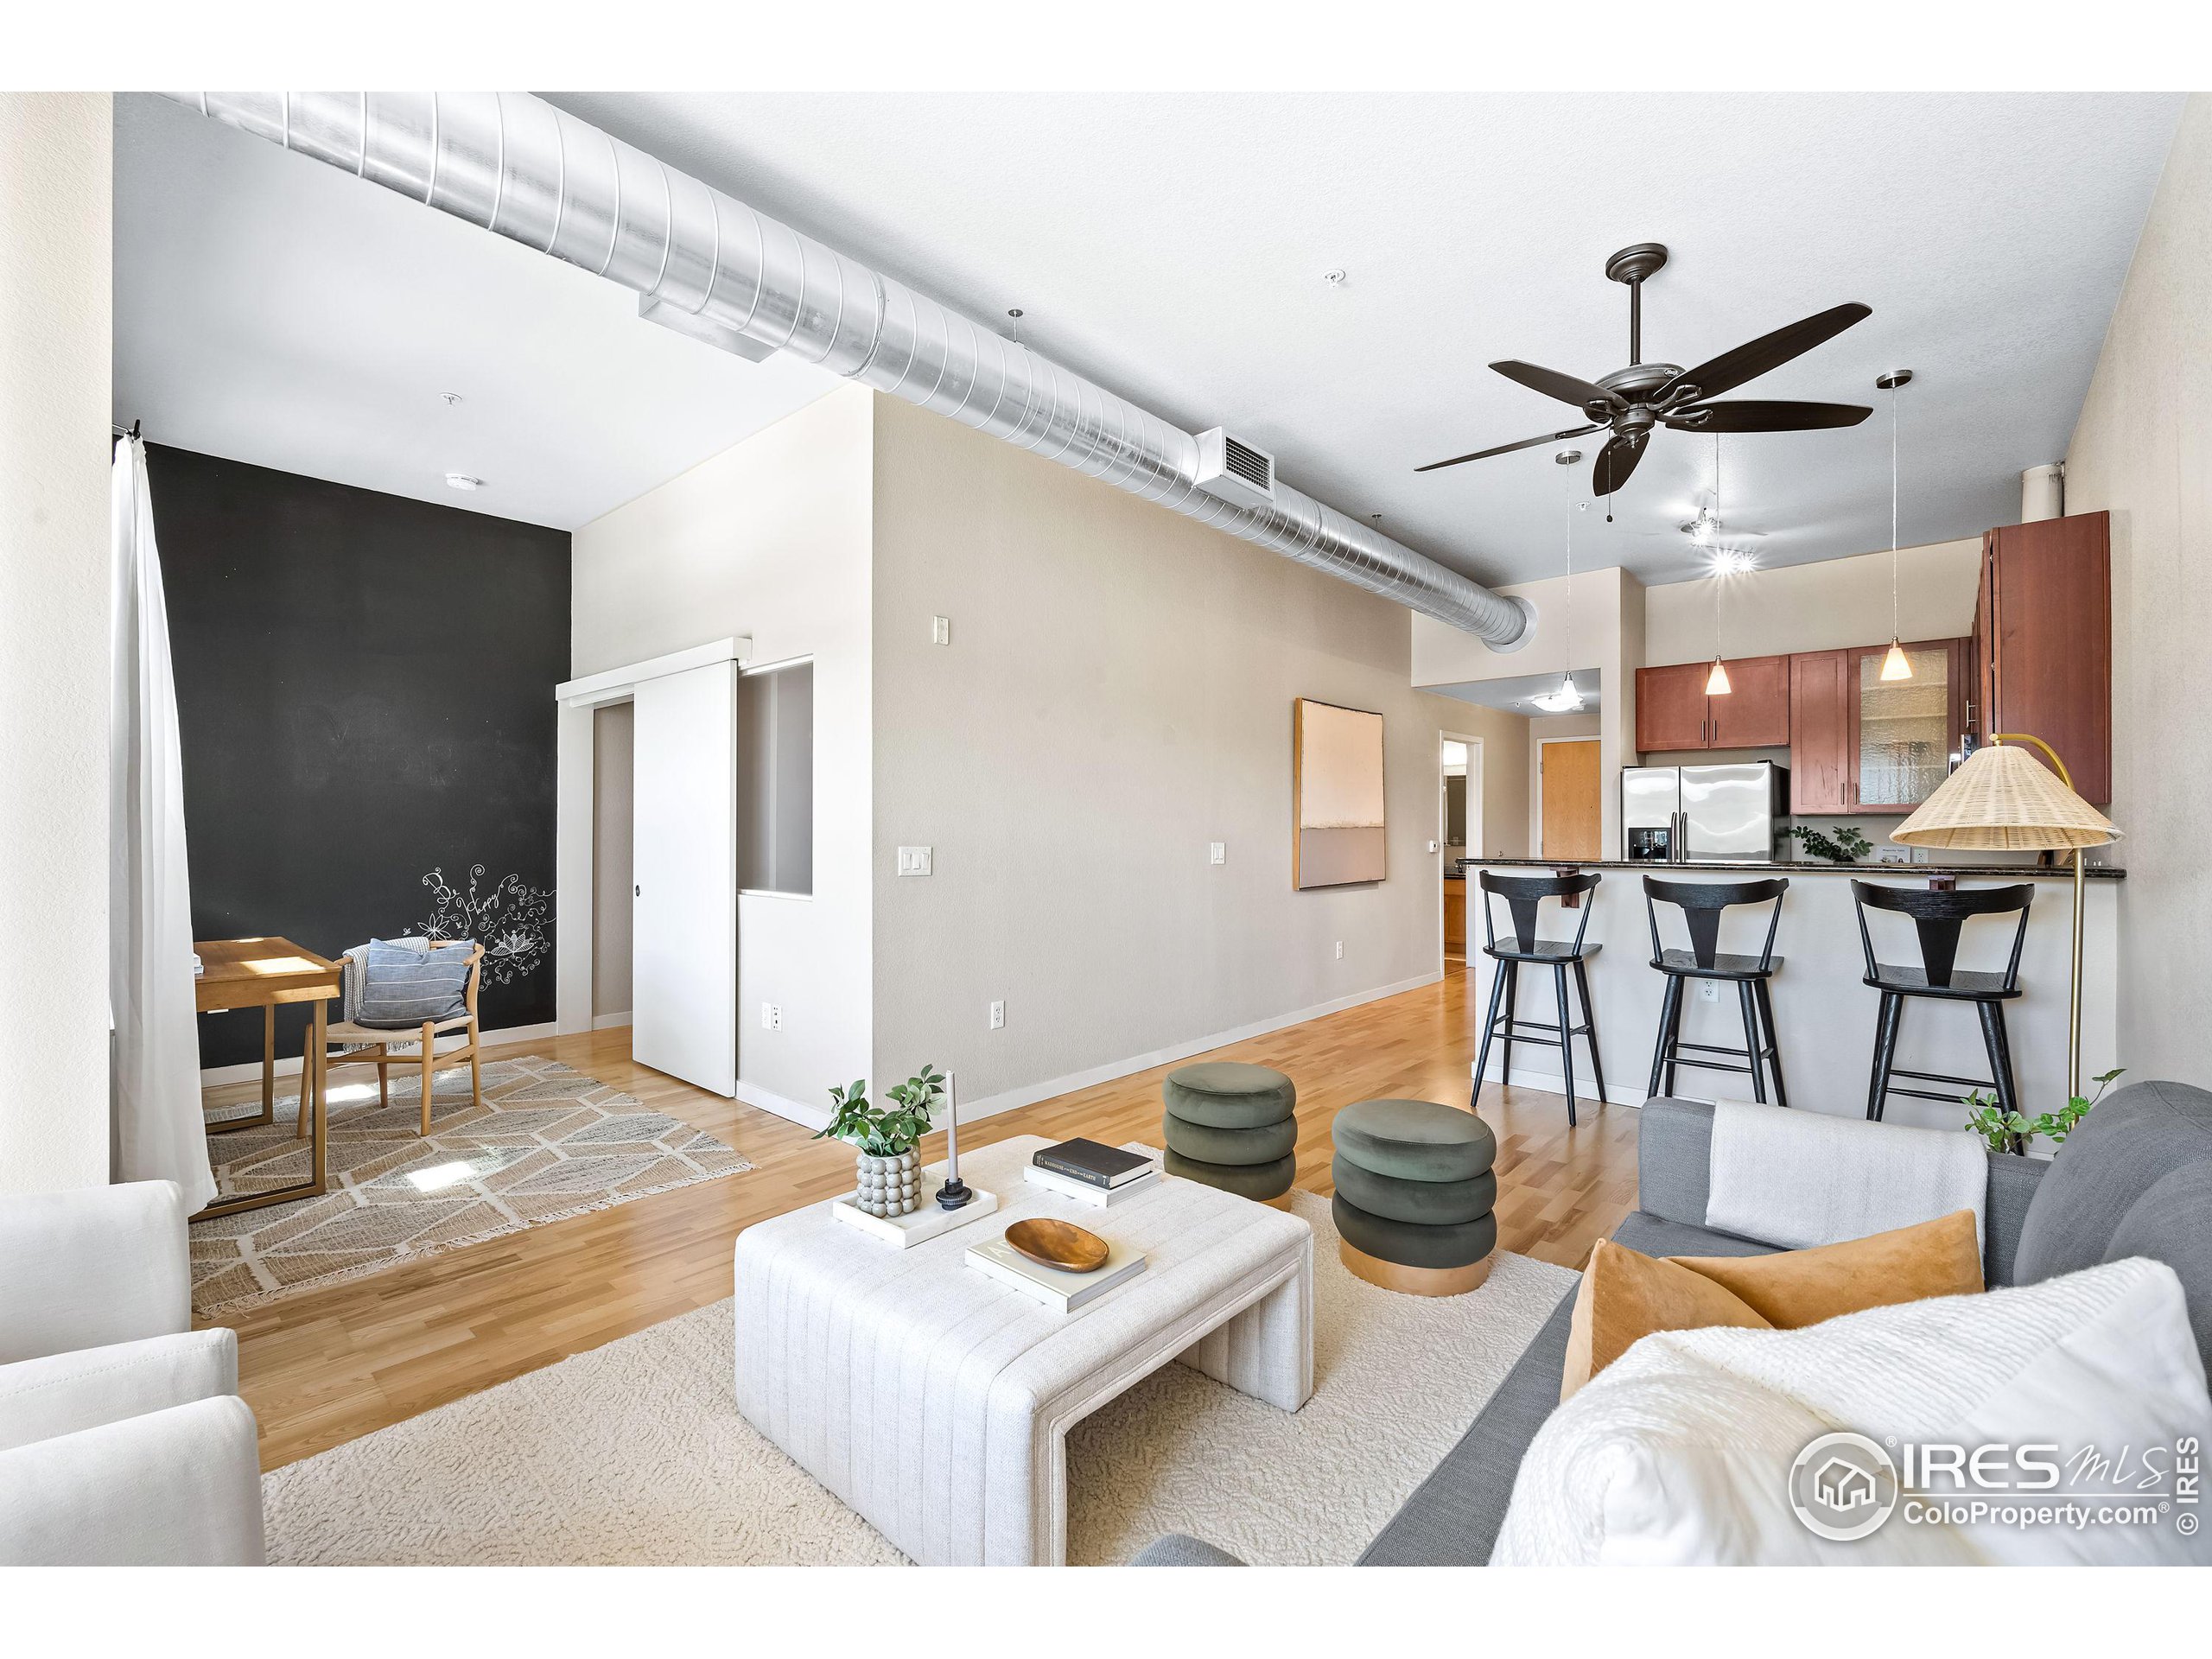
(1567, 700)
(1716, 682)
(1895, 665)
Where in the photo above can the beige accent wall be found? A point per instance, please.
(2142, 451)
(55, 214)
(769, 538)
(614, 730)
(1116, 695)
(1504, 830)
(1824, 607)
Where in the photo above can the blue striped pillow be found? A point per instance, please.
(402, 986)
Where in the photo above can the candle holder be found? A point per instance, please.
(955, 1192)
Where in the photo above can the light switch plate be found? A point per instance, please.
(940, 630)
(1216, 852)
(772, 1017)
(1432, 845)
(1340, 950)
(913, 861)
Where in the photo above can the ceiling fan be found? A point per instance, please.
(1629, 403)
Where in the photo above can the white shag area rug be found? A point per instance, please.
(635, 1454)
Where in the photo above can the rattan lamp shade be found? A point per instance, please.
(2003, 799)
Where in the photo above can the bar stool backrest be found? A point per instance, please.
(1938, 917)
(1524, 896)
(1702, 904)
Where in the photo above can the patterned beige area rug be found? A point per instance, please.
(549, 1142)
(635, 1453)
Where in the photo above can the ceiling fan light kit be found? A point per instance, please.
(1628, 403)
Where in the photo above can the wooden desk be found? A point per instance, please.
(260, 974)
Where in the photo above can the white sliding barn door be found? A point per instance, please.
(683, 913)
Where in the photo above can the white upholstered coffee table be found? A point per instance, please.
(936, 1403)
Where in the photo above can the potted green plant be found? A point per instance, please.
(2011, 1131)
(888, 1168)
(1847, 845)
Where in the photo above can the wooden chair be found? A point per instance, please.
(371, 1045)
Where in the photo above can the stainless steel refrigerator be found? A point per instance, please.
(1704, 815)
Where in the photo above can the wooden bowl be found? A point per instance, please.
(1059, 1245)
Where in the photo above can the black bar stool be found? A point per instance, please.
(1523, 896)
(1938, 917)
(1702, 904)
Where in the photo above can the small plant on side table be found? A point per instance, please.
(888, 1167)
(1847, 845)
(2011, 1131)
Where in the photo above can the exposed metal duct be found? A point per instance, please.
(710, 265)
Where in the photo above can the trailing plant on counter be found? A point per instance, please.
(885, 1131)
(1847, 845)
(2011, 1131)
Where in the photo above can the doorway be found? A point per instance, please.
(1459, 832)
(1569, 809)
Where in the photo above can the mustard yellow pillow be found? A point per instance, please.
(1626, 1295)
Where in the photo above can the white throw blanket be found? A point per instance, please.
(1799, 1178)
(1680, 1452)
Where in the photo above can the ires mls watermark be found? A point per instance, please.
(1845, 1486)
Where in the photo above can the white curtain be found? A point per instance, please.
(159, 1131)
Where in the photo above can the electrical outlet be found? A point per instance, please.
(1709, 989)
(998, 1016)
(913, 861)
(1340, 950)
(772, 1017)
(1216, 852)
(940, 630)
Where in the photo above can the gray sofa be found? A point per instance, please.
(2135, 1179)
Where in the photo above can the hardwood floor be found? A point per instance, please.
(326, 1366)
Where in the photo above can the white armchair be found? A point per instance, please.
(122, 1440)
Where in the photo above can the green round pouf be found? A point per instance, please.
(1414, 1140)
(1229, 1095)
(1210, 1146)
(1419, 1204)
(1263, 1182)
(1411, 1246)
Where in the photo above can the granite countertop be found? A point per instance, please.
(1812, 867)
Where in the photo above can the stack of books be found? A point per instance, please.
(1092, 1174)
(1058, 1289)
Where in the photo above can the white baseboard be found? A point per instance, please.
(288, 1065)
(608, 1022)
(808, 1117)
(1030, 1094)
(1549, 1083)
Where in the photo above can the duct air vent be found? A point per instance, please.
(1234, 470)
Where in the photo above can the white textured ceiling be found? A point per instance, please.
(1172, 246)
(273, 309)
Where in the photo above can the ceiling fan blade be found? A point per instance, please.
(1759, 414)
(1615, 462)
(1505, 449)
(1748, 361)
(1553, 383)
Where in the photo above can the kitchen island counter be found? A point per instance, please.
(1824, 1015)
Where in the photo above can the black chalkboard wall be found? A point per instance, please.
(364, 688)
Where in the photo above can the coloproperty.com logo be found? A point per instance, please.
(1845, 1486)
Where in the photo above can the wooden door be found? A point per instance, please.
(1755, 715)
(684, 869)
(1670, 710)
(1822, 692)
(2052, 642)
(1574, 815)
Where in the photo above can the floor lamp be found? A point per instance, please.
(2002, 800)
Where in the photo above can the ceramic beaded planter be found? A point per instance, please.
(890, 1186)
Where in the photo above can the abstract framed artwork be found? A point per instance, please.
(1336, 772)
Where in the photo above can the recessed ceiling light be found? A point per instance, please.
(463, 481)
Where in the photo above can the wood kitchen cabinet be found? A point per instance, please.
(1861, 744)
(2041, 652)
(1674, 713)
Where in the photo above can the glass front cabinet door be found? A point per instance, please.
(1909, 734)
